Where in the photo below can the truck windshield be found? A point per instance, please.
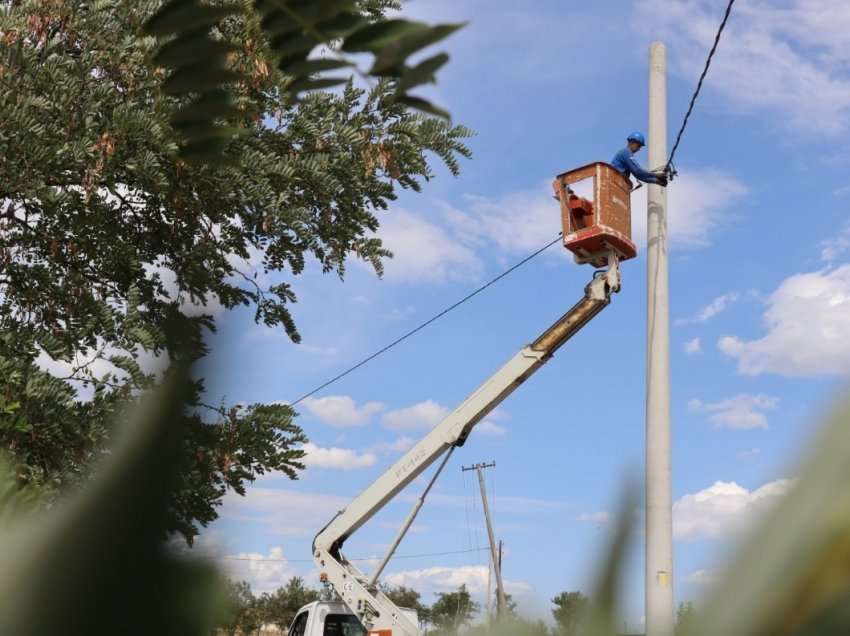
(343, 625)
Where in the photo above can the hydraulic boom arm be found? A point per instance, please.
(374, 609)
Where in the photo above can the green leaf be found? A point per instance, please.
(179, 16)
(209, 106)
(315, 84)
(396, 53)
(197, 77)
(207, 151)
(189, 50)
(341, 25)
(309, 67)
(422, 73)
(374, 37)
(423, 105)
(286, 45)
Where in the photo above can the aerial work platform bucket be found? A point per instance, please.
(593, 228)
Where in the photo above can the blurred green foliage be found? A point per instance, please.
(199, 57)
(107, 235)
(96, 563)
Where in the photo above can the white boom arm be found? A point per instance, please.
(374, 609)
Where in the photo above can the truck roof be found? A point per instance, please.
(337, 607)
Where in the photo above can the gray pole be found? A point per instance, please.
(659, 521)
(494, 555)
(373, 581)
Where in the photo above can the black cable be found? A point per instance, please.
(428, 322)
(400, 556)
(699, 84)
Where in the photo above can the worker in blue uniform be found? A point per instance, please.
(627, 166)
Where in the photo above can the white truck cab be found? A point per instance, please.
(332, 618)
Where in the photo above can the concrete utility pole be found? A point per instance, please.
(659, 518)
(494, 551)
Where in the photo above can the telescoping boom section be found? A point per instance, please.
(379, 615)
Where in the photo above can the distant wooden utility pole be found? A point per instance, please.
(494, 551)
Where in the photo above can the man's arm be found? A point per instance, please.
(640, 173)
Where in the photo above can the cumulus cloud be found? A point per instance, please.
(716, 306)
(693, 346)
(773, 59)
(399, 445)
(341, 410)
(520, 221)
(428, 581)
(723, 509)
(700, 202)
(337, 458)
(523, 221)
(834, 247)
(742, 411)
(489, 428)
(282, 512)
(808, 328)
(424, 251)
(208, 305)
(264, 572)
(96, 361)
(423, 415)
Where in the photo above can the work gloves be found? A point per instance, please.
(662, 180)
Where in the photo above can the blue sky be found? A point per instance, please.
(760, 302)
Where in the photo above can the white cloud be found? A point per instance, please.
(699, 202)
(208, 305)
(594, 517)
(341, 410)
(808, 328)
(702, 577)
(489, 428)
(428, 581)
(771, 60)
(716, 306)
(424, 251)
(520, 221)
(723, 509)
(97, 364)
(523, 221)
(337, 458)
(693, 346)
(832, 248)
(400, 445)
(742, 411)
(282, 512)
(423, 415)
(264, 572)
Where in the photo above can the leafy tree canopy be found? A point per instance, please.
(107, 236)
(568, 612)
(453, 610)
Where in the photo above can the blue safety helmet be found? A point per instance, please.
(638, 137)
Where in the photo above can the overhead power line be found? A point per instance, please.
(537, 252)
(699, 84)
(374, 558)
(429, 321)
